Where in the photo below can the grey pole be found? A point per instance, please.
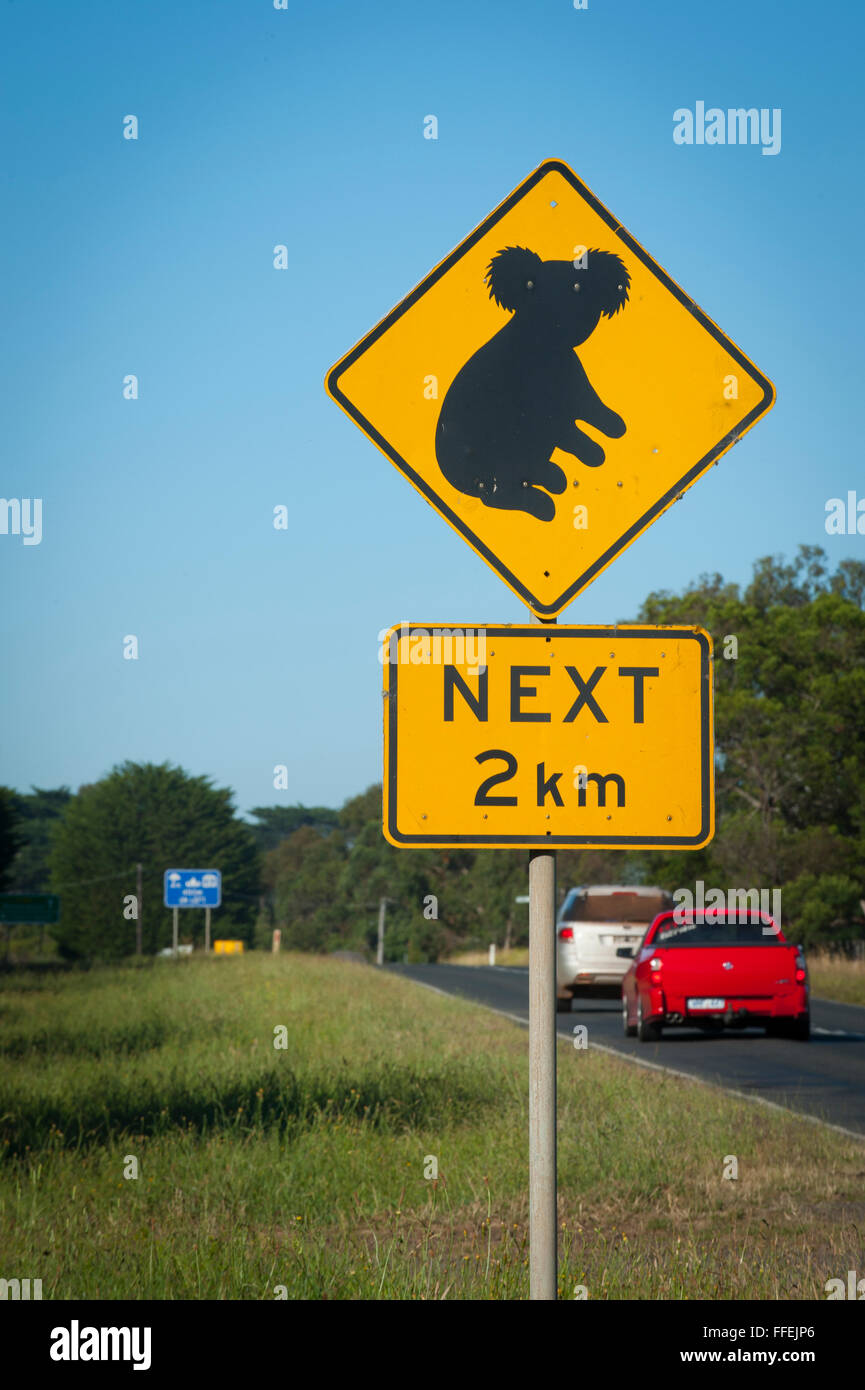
(382, 907)
(138, 900)
(207, 929)
(175, 912)
(543, 1214)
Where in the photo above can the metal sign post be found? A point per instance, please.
(543, 1183)
(543, 1254)
(174, 916)
(207, 929)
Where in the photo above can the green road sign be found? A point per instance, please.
(38, 908)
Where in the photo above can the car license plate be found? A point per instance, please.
(706, 1003)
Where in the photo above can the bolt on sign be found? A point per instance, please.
(550, 389)
(596, 737)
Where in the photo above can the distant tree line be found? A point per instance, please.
(790, 811)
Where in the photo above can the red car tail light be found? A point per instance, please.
(800, 976)
(655, 977)
(566, 933)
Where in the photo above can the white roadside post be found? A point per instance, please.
(492, 953)
(543, 1206)
(379, 955)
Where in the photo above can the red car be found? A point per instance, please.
(715, 970)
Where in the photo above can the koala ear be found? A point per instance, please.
(609, 280)
(509, 275)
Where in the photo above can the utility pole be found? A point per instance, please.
(138, 905)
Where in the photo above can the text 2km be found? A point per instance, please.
(586, 698)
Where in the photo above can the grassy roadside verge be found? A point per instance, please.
(302, 1169)
(518, 955)
(834, 978)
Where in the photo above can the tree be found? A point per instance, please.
(276, 823)
(302, 873)
(11, 838)
(165, 818)
(39, 812)
(790, 736)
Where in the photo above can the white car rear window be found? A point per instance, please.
(618, 905)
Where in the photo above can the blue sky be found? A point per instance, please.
(305, 127)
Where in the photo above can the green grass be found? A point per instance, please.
(302, 1169)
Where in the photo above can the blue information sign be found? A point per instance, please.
(193, 888)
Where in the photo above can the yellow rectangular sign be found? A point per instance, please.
(590, 737)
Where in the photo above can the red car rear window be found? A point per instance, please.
(729, 931)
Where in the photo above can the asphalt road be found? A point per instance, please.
(823, 1078)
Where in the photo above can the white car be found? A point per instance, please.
(594, 925)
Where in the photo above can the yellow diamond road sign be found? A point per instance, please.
(497, 737)
(549, 389)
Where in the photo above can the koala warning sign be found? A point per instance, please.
(549, 389)
(548, 736)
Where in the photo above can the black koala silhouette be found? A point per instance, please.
(520, 395)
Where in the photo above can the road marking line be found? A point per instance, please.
(655, 1066)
